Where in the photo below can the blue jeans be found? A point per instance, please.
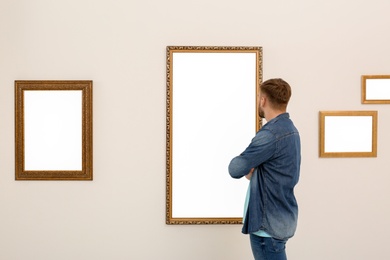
(268, 248)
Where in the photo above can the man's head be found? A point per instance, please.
(274, 95)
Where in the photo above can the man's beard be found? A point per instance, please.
(261, 113)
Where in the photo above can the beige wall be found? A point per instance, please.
(321, 47)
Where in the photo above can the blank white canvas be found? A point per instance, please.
(214, 119)
(53, 130)
(348, 134)
(377, 89)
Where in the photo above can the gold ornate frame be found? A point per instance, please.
(86, 125)
(169, 92)
(347, 152)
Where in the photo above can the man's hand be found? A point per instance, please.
(249, 175)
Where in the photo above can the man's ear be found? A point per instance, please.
(263, 100)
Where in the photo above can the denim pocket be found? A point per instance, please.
(278, 245)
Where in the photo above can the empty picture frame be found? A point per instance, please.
(376, 89)
(348, 133)
(53, 130)
(211, 118)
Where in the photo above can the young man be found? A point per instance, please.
(271, 162)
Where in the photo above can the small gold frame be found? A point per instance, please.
(343, 142)
(85, 86)
(379, 98)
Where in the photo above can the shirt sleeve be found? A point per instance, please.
(261, 148)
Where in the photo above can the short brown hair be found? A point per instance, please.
(277, 91)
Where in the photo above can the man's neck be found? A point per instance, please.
(273, 113)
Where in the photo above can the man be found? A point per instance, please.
(271, 162)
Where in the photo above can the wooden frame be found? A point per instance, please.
(193, 117)
(348, 133)
(66, 107)
(375, 89)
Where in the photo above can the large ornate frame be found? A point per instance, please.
(169, 92)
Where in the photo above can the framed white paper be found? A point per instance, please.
(376, 89)
(348, 133)
(53, 132)
(211, 115)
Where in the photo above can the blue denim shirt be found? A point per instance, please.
(275, 153)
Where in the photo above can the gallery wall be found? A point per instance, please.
(320, 47)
